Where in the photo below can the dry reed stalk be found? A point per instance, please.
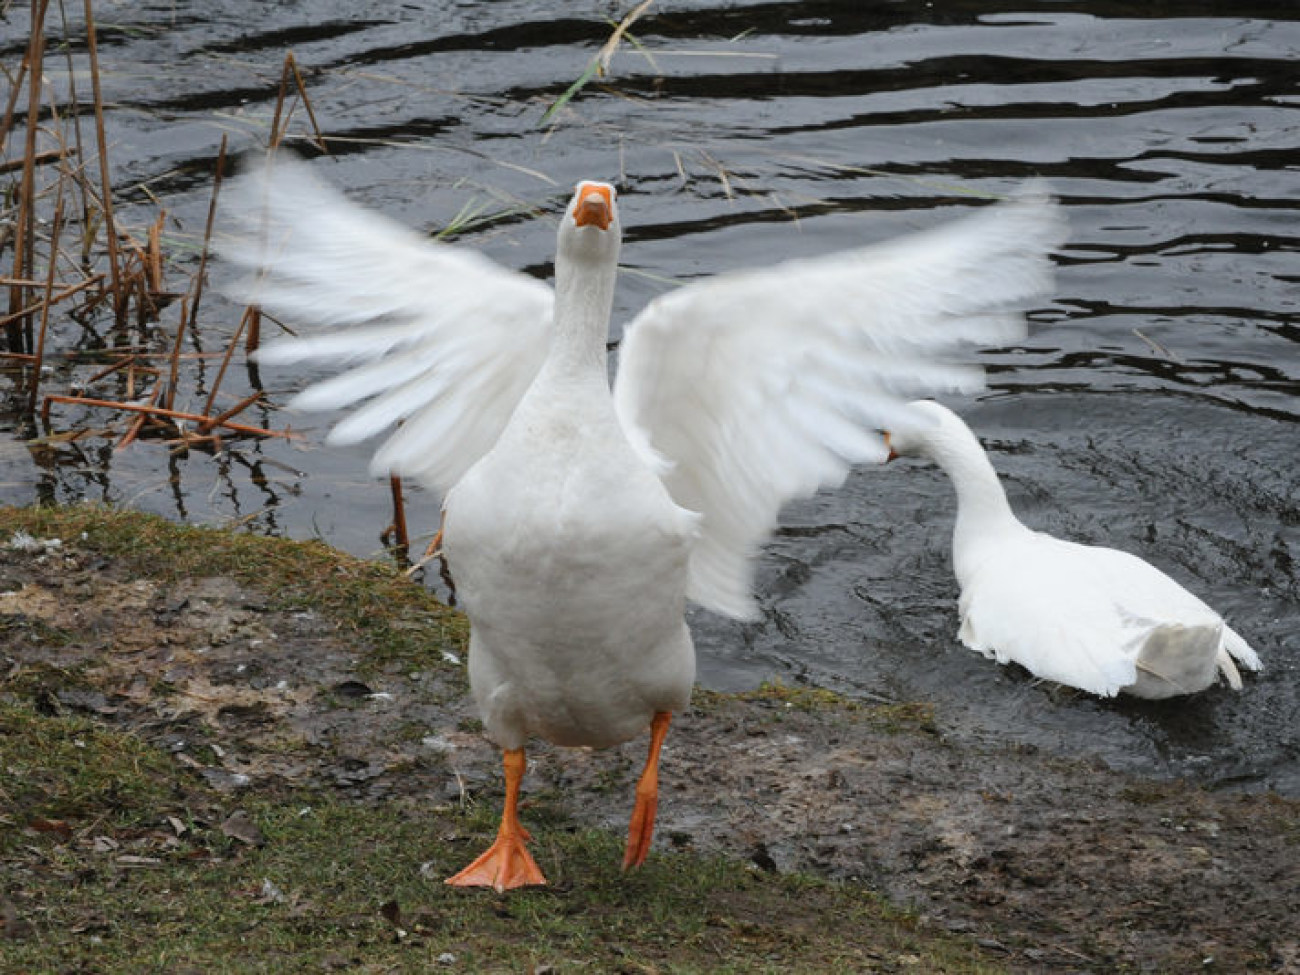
(431, 551)
(235, 410)
(254, 316)
(207, 241)
(174, 371)
(306, 103)
(101, 136)
(187, 441)
(159, 412)
(79, 149)
(30, 283)
(290, 70)
(153, 262)
(138, 423)
(40, 159)
(19, 330)
(127, 362)
(67, 292)
(11, 105)
(249, 313)
(599, 65)
(135, 283)
(252, 319)
(434, 551)
(398, 528)
(276, 135)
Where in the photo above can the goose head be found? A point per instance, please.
(590, 231)
(924, 431)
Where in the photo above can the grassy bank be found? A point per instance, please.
(119, 856)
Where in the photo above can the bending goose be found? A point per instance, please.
(1095, 618)
(578, 521)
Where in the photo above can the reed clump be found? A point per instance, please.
(88, 315)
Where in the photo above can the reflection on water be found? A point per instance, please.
(1154, 407)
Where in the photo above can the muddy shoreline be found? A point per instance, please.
(1060, 865)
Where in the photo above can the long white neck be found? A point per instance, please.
(584, 296)
(983, 514)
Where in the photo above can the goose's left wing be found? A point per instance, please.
(749, 390)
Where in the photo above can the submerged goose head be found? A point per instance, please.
(935, 433)
(930, 431)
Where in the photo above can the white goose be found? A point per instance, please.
(578, 523)
(1094, 618)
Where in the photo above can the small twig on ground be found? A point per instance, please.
(434, 551)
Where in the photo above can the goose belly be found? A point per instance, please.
(576, 601)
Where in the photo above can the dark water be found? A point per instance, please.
(1155, 407)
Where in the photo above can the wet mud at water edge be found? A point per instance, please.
(1153, 407)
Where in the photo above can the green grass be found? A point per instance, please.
(395, 618)
(115, 862)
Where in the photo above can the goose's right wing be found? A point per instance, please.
(435, 336)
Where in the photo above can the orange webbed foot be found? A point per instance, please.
(505, 865)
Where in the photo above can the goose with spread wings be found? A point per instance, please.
(580, 519)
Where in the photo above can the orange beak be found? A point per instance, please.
(595, 206)
(892, 454)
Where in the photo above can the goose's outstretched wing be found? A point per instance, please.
(436, 336)
(755, 388)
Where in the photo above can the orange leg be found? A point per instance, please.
(642, 827)
(507, 862)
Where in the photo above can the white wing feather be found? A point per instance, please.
(1047, 605)
(751, 389)
(449, 340)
